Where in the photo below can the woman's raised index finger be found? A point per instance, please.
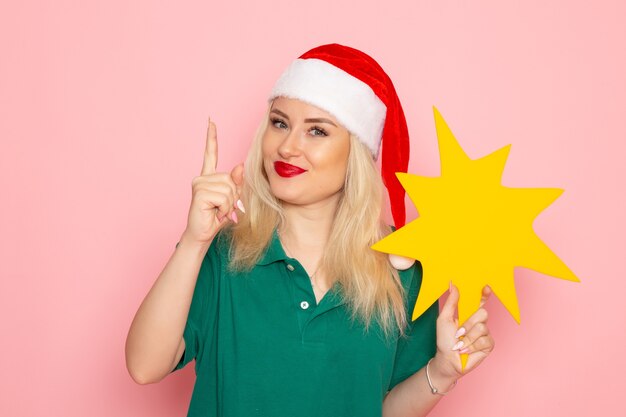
(485, 295)
(209, 164)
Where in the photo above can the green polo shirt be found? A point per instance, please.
(263, 346)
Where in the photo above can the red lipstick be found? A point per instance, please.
(287, 170)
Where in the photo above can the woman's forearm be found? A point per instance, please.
(413, 396)
(157, 329)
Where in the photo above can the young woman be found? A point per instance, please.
(273, 288)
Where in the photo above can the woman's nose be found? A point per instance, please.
(290, 146)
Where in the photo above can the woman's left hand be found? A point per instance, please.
(473, 338)
(414, 395)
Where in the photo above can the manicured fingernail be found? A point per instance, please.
(463, 351)
(460, 332)
(458, 345)
(240, 206)
(234, 217)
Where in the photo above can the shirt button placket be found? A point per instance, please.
(301, 295)
(303, 304)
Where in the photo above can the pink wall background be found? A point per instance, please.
(103, 109)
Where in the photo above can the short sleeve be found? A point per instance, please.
(202, 303)
(419, 344)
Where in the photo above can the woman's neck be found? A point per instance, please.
(304, 237)
(308, 227)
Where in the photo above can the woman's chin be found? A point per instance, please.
(303, 200)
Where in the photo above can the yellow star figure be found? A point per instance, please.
(471, 230)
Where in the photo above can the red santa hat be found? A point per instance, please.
(351, 86)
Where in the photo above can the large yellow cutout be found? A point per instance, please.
(471, 230)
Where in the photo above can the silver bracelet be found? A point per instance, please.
(430, 383)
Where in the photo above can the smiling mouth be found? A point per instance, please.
(287, 170)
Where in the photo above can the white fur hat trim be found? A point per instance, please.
(351, 101)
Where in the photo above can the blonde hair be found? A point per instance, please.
(370, 285)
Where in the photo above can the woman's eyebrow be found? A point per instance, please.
(313, 120)
(319, 120)
(280, 113)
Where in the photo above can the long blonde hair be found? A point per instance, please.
(370, 285)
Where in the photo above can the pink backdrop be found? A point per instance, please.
(103, 108)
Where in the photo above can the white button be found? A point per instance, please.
(290, 267)
(304, 305)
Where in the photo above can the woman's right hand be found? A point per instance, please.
(215, 196)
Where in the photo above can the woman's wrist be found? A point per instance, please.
(442, 375)
(190, 243)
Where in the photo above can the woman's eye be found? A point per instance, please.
(279, 124)
(317, 131)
